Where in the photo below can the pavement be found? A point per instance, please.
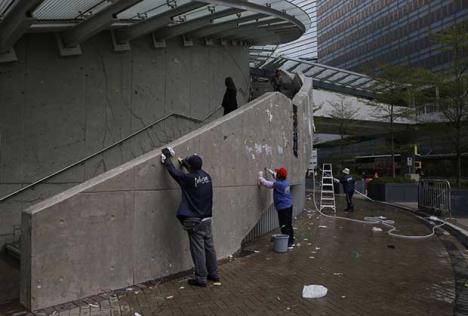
(365, 272)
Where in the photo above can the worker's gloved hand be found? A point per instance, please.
(260, 175)
(168, 152)
(182, 162)
(163, 158)
(273, 174)
(336, 180)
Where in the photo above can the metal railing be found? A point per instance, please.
(120, 142)
(435, 195)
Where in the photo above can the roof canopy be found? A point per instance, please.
(256, 22)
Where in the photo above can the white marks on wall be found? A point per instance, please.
(267, 149)
(258, 149)
(280, 150)
(270, 116)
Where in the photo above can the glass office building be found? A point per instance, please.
(359, 35)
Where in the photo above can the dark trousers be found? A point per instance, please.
(202, 249)
(285, 223)
(349, 200)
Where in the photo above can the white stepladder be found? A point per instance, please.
(327, 193)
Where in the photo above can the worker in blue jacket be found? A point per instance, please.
(194, 213)
(282, 200)
(347, 182)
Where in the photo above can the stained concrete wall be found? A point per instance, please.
(119, 228)
(56, 110)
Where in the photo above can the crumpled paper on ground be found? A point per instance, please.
(314, 291)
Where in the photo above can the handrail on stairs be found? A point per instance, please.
(107, 148)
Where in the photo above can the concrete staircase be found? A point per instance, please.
(156, 134)
(112, 231)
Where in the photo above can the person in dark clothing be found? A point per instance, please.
(230, 96)
(282, 200)
(194, 213)
(347, 182)
(276, 81)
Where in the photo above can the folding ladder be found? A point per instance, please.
(327, 193)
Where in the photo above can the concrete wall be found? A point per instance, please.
(56, 110)
(119, 228)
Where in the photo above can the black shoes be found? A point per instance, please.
(214, 279)
(196, 282)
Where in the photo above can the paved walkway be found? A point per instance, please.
(366, 273)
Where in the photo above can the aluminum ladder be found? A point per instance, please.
(327, 192)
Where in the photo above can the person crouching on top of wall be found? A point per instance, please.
(282, 200)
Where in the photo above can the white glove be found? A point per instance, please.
(163, 158)
(171, 150)
(336, 180)
(260, 174)
(273, 174)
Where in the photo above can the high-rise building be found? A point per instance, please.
(362, 34)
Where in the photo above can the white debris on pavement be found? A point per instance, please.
(376, 229)
(137, 314)
(314, 291)
(322, 226)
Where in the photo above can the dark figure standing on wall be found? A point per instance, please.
(276, 81)
(194, 213)
(230, 96)
(282, 200)
(347, 182)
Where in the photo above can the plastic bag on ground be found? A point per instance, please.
(314, 291)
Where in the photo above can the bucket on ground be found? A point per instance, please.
(280, 242)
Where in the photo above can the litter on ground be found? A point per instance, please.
(314, 291)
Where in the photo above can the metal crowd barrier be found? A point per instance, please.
(435, 195)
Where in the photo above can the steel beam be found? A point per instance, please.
(232, 32)
(96, 23)
(156, 22)
(253, 7)
(16, 22)
(181, 29)
(221, 27)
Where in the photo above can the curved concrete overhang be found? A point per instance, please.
(248, 22)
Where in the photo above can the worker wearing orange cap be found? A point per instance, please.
(282, 200)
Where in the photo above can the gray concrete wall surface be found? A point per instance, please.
(120, 228)
(56, 110)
